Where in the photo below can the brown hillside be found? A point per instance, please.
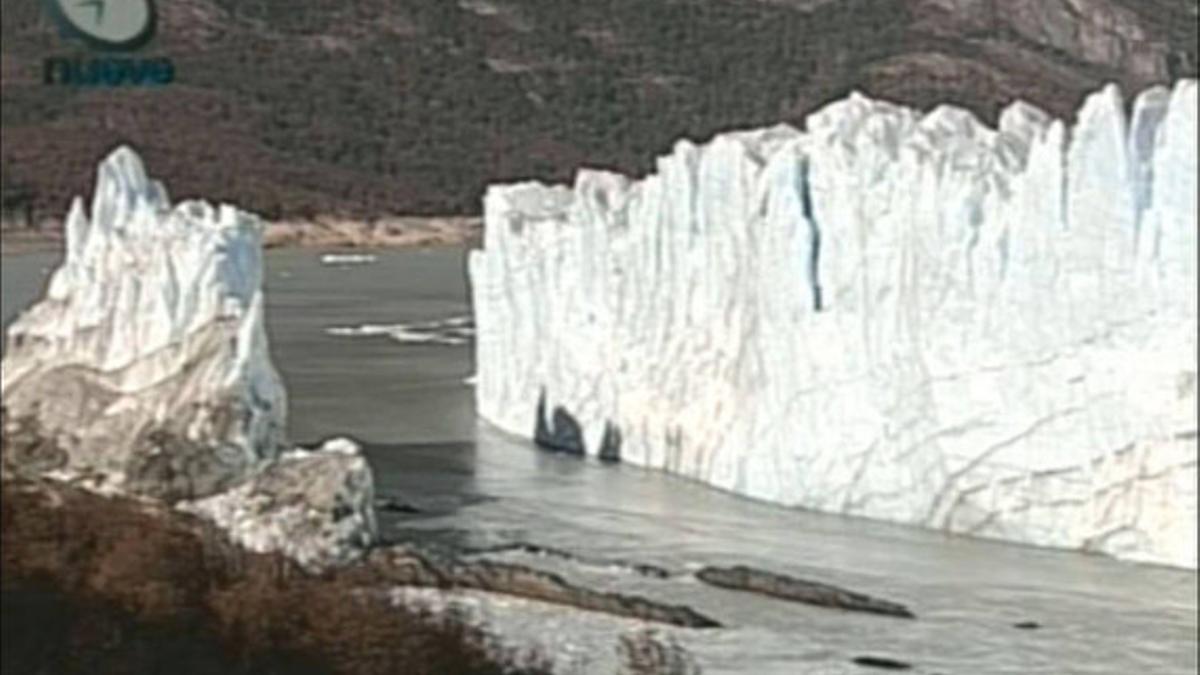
(358, 109)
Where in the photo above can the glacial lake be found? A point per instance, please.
(405, 394)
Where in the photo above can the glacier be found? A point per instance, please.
(890, 314)
(145, 370)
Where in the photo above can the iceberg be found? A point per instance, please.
(145, 370)
(889, 314)
(146, 362)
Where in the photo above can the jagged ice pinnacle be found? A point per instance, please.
(146, 365)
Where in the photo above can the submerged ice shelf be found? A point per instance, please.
(896, 315)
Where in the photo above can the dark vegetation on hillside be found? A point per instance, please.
(326, 107)
(98, 585)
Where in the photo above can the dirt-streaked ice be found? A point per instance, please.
(897, 315)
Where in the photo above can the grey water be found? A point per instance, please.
(412, 406)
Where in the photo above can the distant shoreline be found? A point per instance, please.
(320, 233)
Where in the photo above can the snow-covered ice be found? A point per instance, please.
(890, 314)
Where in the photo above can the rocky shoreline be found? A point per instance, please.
(138, 568)
(406, 566)
(751, 580)
(380, 233)
(385, 232)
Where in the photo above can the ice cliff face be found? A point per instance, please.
(145, 370)
(893, 315)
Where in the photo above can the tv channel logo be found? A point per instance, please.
(110, 26)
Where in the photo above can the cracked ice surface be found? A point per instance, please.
(893, 315)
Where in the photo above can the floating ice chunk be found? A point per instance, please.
(452, 331)
(347, 259)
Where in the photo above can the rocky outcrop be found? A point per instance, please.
(890, 314)
(641, 569)
(1098, 33)
(647, 652)
(145, 371)
(742, 578)
(881, 662)
(565, 84)
(407, 567)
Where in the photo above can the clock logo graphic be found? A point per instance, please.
(114, 25)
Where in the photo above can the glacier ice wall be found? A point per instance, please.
(903, 316)
(145, 366)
